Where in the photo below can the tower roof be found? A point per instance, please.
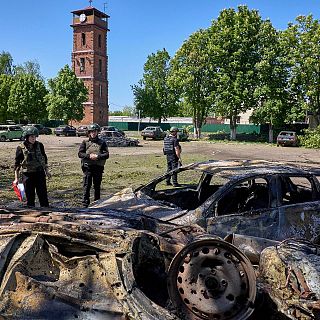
(91, 10)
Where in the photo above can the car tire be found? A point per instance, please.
(3, 138)
(144, 138)
(132, 144)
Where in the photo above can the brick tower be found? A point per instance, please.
(90, 61)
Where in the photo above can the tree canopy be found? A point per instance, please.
(29, 67)
(302, 40)
(6, 82)
(193, 77)
(26, 100)
(152, 95)
(66, 97)
(6, 63)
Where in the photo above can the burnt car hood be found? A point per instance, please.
(129, 202)
(72, 265)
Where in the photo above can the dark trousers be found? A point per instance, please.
(36, 182)
(91, 174)
(172, 163)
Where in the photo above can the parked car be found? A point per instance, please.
(65, 130)
(111, 128)
(287, 138)
(10, 132)
(82, 131)
(116, 139)
(252, 198)
(41, 128)
(182, 134)
(153, 133)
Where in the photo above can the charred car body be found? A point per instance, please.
(116, 139)
(257, 199)
(139, 255)
(89, 265)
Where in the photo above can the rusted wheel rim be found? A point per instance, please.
(212, 279)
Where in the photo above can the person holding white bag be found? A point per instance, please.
(32, 161)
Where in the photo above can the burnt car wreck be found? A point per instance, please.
(91, 265)
(172, 253)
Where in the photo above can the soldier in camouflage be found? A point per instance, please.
(93, 154)
(172, 149)
(31, 160)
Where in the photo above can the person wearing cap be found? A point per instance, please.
(172, 149)
(93, 154)
(32, 162)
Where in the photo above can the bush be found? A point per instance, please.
(311, 138)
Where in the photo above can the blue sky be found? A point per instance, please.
(40, 30)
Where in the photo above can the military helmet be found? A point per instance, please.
(174, 129)
(93, 127)
(30, 131)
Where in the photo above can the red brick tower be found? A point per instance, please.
(90, 61)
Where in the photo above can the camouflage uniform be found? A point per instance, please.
(31, 159)
(92, 169)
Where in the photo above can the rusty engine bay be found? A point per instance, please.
(92, 265)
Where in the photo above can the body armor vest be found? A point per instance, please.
(93, 147)
(33, 158)
(168, 147)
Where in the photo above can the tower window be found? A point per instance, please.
(100, 66)
(99, 40)
(82, 64)
(100, 90)
(83, 39)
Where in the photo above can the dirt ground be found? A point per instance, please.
(213, 150)
(133, 166)
(64, 147)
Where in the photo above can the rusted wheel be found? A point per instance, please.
(212, 279)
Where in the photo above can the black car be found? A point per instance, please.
(41, 128)
(65, 130)
(82, 131)
(287, 138)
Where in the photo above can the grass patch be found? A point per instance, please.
(65, 186)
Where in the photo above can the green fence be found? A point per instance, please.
(241, 128)
(133, 126)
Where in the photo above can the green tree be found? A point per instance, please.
(234, 49)
(26, 100)
(6, 82)
(273, 101)
(129, 111)
(192, 75)
(303, 50)
(6, 63)
(29, 67)
(126, 111)
(66, 97)
(153, 96)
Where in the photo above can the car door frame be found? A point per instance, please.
(259, 222)
(297, 220)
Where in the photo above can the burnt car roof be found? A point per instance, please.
(236, 168)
